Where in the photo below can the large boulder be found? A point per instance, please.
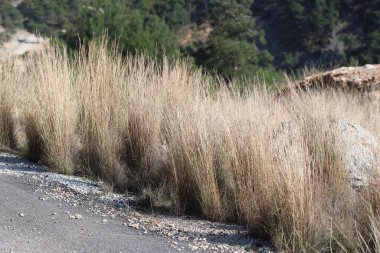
(364, 80)
(359, 148)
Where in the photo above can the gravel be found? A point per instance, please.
(182, 233)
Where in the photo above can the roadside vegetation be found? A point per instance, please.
(192, 143)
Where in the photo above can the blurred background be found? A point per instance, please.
(233, 38)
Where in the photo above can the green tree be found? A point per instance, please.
(175, 13)
(134, 29)
(300, 29)
(10, 17)
(232, 58)
(232, 18)
(370, 21)
(231, 48)
(50, 17)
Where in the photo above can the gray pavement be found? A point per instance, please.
(42, 211)
(28, 224)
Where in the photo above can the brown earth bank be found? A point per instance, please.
(364, 79)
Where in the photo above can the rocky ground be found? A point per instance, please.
(70, 205)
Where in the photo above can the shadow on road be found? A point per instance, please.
(15, 163)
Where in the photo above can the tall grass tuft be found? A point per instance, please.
(101, 98)
(9, 82)
(50, 113)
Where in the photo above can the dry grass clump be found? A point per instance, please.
(50, 110)
(143, 113)
(368, 230)
(9, 82)
(160, 130)
(101, 95)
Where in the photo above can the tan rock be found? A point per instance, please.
(365, 80)
(20, 43)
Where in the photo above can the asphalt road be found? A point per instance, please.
(28, 224)
(48, 212)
